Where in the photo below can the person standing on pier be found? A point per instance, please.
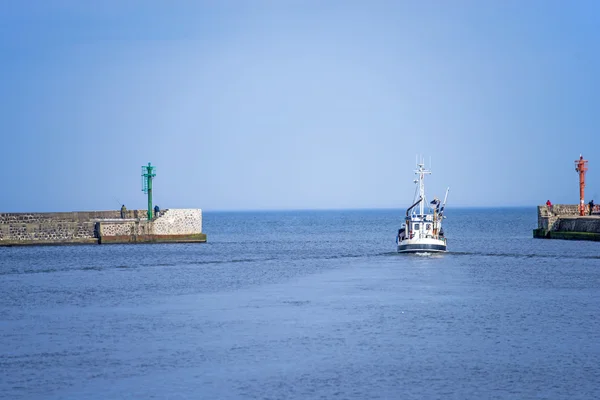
(549, 205)
(591, 204)
(123, 210)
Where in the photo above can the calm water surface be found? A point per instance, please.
(306, 305)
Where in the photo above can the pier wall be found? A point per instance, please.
(562, 209)
(90, 227)
(563, 222)
(579, 224)
(175, 225)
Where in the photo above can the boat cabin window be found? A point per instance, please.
(416, 227)
(428, 227)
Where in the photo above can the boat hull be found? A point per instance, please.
(422, 246)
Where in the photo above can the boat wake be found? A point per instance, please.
(524, 255)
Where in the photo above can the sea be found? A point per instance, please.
(306, 305)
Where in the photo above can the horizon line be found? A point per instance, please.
(487, 207)
(353, 208)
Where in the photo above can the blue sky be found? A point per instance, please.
(296, 104)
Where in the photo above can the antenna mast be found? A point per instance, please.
(421, 171)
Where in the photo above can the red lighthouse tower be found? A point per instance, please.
(581, 167)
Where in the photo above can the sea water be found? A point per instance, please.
(306, 305)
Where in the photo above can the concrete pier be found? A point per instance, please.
(101, 227)
(562, 221)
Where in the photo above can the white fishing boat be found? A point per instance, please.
(422, 230)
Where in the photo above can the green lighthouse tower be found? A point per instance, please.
(148, 173)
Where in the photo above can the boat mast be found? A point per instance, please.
(444, 204)
(421, 171)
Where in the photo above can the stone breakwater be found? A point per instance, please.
(97, 227)
(562, 221)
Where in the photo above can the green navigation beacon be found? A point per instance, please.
(148, 173)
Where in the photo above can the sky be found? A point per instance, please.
(287, 104)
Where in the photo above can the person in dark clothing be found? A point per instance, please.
(591, 204)
(123, 210)
(156, 211)
(436, 202)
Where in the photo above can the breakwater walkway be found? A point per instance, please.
(101, 227)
